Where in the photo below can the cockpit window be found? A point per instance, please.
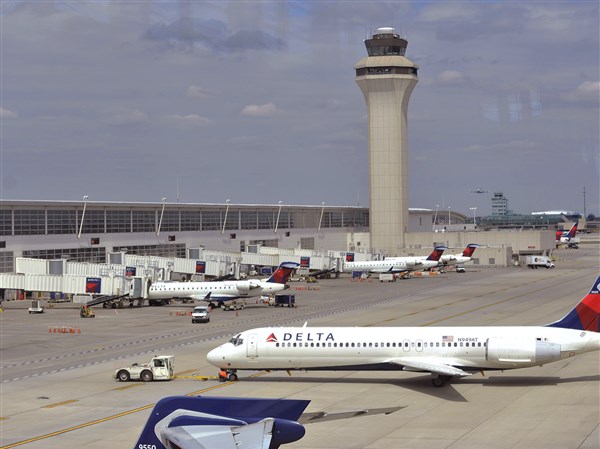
(237, 340)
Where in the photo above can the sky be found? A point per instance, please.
(255, 102)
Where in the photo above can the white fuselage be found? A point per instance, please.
(455, 259)
(408, 348)
(396, 265)
(218, 290)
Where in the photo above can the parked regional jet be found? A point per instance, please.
(445, 352)
(397, 264)
(225, 290)
(465, 256)
(567, 237)
(199, 422)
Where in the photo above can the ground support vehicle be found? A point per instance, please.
(387, 277)
(283, 300)
(36, 307)
(233, 305)
(201, 314)
(538, 262)
(87, 312)
(161, 367)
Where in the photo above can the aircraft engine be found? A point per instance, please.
(244, 287)
(516, 352)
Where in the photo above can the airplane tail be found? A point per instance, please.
(436, 254)
(573, 231)
(585, 315)
(283, 273)
(179, 421)
(470, 249)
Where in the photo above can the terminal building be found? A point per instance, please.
(163, 240)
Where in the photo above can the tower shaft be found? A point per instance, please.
(387, 79)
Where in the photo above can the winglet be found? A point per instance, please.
(585, 315)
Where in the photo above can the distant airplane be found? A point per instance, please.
(225, 290)
(457, 259)
(200, 422)
(567, 237)
(445, 352)
(397, 264)
(479, 191)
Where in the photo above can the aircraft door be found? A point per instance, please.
(251, 346)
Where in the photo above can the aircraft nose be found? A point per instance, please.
(215, 357)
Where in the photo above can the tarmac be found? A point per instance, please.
(57, 388)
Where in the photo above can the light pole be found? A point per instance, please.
(278, 214)
(437, 206)
(162, 212)
(85, 197)
(449, 216)
(322, 212)
(473, 209)
(227, 201)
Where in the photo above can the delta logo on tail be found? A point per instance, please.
(283, 273)
(470, 249)
(585, 316)
(437, 253)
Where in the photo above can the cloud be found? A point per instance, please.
(199, 92)
(586, 92)
(125, 116)
(451, 78)
(185, 33)
(263, 110)
(190, 119)
(5, 113)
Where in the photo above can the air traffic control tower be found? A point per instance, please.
(387, 79)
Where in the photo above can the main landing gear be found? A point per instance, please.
(440, 380)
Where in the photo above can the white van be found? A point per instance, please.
(201, 314)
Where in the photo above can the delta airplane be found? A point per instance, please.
(224, 290)
(567, 237)
(397, 264)
(444, 352)
(457, 259)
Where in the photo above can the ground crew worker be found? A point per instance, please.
(222, 375)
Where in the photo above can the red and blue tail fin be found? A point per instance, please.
(470, 249)
(283, 273)
(436, 254)
(573, 231)
(585, 316)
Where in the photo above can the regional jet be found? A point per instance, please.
(444, 352)
(225, 290)
(397, 264)
(457, 259)
(567, 237)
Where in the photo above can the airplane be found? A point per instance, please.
(444, 352)
(225, 290)
(199, 422)
(567, 237)
(397, 264)
(457, 259)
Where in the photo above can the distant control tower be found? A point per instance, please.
(387, 79)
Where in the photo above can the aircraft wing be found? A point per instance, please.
(432, 366)
(201, 422)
